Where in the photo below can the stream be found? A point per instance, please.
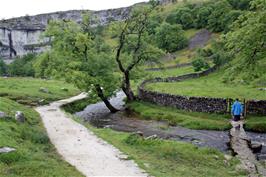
(99, 116)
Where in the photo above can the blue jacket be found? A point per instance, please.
(237, 108)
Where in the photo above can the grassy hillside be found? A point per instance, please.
(209, 86)
(27, 90)
(35, 156)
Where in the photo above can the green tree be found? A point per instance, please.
(3, 68)
(248, 36)
(134, 46)
(80, 57)
(246, 43)
(217, 16)
(170, 37)
(202, 14)
(22, 66)
(200, 64)
(240, 4)
(183, 16)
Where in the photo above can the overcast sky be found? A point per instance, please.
(16, 8)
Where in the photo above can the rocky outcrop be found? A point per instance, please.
(240, 144)
(19, 36)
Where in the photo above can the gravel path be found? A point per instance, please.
(81, 148)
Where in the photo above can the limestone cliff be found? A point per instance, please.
(19, 36)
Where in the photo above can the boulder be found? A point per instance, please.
(262, 89)
(256, 146)
(2, 115)
(262, 157)
(44, 90)
(6, 150)
(139, 133)
(20, 117)
(151, 137)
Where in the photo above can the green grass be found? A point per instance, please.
(35, 155)
(162, 158)
(170, 72)
(161, 73)
(191, 32)
(26, 90)
(256, 124)
(209, 86)
(194, 120)
(174, 116)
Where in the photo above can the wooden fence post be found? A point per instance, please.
(245, 108)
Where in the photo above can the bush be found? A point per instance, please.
(170, 37)
(240, 4)
(202, 14)
(22, 66)
(11, 157)
(181, 16)
(216, 20)
(200, 64)
(3, 68)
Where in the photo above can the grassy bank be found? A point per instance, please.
(191, 120)
(209, 86)
(162, 158)
(194, 120)
(35, 155)
(27, 90)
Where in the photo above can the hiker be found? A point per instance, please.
(237, 110)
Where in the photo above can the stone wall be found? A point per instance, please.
(195, 104)
(256, 107)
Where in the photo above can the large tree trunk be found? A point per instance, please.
(127, 88)
(104, 99)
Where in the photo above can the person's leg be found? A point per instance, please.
(236, 118)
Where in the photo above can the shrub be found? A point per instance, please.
(200, 64)
(22, 66)
(170, 37)
(11, 157)
(3, 68)
(181, 16)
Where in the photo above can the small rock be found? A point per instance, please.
(44, 90)
(2, 115)
(146, 165)
(41, 101)
(123, 157)
(139, 133)
(6, 150)
(196, 142)
(262, 89)
(20, 117)
(227, 157)
(216, 157)
(226, 163)
(256, 146)
(262, 157)
(151, 137)
(108, 126)
(64, 89)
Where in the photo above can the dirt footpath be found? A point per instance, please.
(81, 148)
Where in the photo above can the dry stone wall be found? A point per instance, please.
(195, 104)
(256, 107)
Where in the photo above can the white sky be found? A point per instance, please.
(16, 8)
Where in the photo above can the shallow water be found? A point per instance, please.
(99, 116)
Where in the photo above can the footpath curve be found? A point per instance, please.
(81, 148)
